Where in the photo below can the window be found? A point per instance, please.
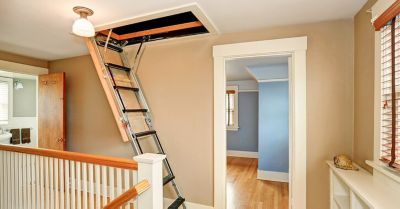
(4, 101)
(390, 93)
(231, 106)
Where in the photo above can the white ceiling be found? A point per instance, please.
(257, 68)
(41, 28)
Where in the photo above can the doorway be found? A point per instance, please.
(291, 47)
(257, 123)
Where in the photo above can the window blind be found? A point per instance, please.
(390, 92)
(3, 102)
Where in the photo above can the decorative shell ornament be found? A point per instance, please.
(344, 162)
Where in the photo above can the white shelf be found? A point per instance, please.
(366, 192)
(342, 201)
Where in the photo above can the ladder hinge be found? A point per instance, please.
(124, 123)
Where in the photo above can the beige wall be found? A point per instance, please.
(178, 81)
(23, 59)
(178, 77)
(24, 100)
(364, 86)
(91, 128)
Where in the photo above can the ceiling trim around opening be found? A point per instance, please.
(193, 7)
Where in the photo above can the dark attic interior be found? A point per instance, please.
(173, 26)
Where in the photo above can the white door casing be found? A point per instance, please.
(296, 49)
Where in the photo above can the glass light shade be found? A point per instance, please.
(83, 27)
(18, 85)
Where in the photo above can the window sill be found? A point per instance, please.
(385, 170)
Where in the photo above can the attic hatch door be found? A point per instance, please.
(173, 26)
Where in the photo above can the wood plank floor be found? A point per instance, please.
(244, 191)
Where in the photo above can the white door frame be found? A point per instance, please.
(296, 48)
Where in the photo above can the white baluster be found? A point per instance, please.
(41, 168)
(10, 169)
(97, 180)
(1, 181)
(47, 182)
(111, 180)
(67, 183)
(33, 180)
(17, 178)
(62, 184)
(126, 185)
(104, 184)
(51, 187)
(37, 182)
(91, 187)
(119, 182)
(85, 195)
(73, 191)
(56, 183)
(24, 182)
(29, 181)
(78, 185)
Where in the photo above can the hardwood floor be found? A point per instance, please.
(244, 191)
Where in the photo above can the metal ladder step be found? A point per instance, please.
(134, 110)
(145, 133)
(168, 179)
(126, 88)
(119, 67)
(178, 202)
(110, 46)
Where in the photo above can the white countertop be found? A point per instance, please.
(374, 193)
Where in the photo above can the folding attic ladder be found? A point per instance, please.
(132, 105)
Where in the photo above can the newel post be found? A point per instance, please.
(150, 169)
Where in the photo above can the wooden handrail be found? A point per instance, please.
(74, 156)
(128, 195)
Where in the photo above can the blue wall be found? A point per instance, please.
(273, 127)
(246, 138)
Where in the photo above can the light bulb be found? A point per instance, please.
(83, 27)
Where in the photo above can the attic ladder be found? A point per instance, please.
(125, 87)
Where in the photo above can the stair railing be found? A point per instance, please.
(32, 178)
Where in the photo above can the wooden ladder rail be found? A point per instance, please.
(132, 193)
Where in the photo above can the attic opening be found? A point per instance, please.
(171, 26)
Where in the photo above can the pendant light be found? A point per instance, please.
(82, 26)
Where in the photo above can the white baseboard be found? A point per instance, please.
(189, 205)
(235, 153)
(272, 176)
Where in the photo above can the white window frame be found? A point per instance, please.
(383, 168)
(10, 98)
(235, 126)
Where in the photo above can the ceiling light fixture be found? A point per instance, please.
(82, 26)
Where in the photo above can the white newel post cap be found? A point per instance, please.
(149, 158)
